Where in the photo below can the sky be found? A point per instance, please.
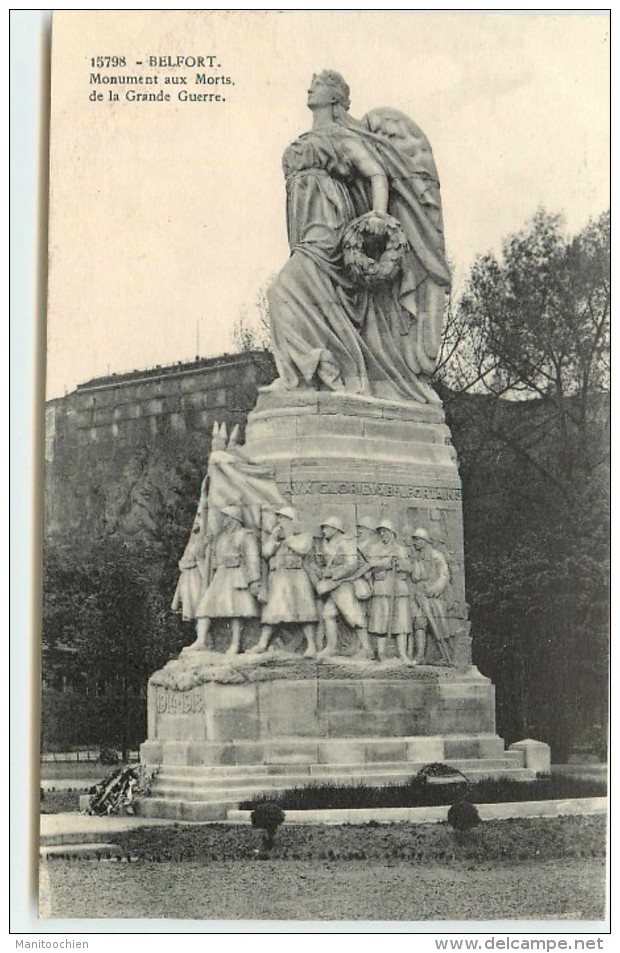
(167, 218)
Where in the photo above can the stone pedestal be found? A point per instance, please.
(354, 456)
(536, 754)
(225, 729)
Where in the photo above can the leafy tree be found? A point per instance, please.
(529, 344)
(106, 628)
(535, 324)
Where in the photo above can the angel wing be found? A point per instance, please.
(405, 135)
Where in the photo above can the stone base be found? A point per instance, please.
(227, 729)
(219, 742)
(405, 702)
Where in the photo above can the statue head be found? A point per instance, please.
(365, 527)
(287, 513)
(420, 538)
(386, 530)
(331, 526)
(329, 88)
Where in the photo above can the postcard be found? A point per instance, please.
(325, 570)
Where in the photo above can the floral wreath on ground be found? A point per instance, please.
(374, 247)
(119, 789)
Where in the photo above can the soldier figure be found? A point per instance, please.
(191, 567)
(235, 587)
(342, 565)
(367, 539)
(390, 609)
(290, 596)
(431, 576)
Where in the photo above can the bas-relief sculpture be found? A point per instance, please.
(370, 583)
(357, 309)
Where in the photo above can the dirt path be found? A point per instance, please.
(302, 890)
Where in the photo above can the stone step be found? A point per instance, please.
(216, 806)
(178, 809)
(218, 776)
(244, 788)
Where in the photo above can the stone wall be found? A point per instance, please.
(157, 402)
(115, 445)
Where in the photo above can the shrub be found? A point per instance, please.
(108, 756)
(267, 817)
(463, 816)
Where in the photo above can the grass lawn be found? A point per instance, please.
(419, 792)
(532, 869)
(518, 839)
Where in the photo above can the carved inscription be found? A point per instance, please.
(179, 703)
(375, 489)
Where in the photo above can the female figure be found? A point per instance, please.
(328, 331)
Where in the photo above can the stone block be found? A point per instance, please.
(346, 446)
(343, 751)
(206, 753)
(343, 724)
(335, 425)
(288, 708)
(473, 746)
(196, 811)
(181, 727)
(291, 752)
(220, 697)
(337, 695)
(151, 752)
(461, 721)
(250, 753)
(427, 750)
(386, 750)
(272, 401)
(175, 753)
(537, 754)
(402, 430)
(354, 724)
(451, 691)
(460, 748)
(233, 724)
(273, 449)
(390, 695)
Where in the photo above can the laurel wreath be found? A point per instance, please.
(374, 257)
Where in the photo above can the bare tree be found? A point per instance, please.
(253, 333)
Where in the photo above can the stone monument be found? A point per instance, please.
(325, 566)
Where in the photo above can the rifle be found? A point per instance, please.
(327, 585)
(392, 598)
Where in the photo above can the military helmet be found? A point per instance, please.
(287, 511)
(421, 533)
(365, 522)
(335, 522)
(386, 524)
(233, 510)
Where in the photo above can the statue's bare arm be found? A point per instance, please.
(368, 168)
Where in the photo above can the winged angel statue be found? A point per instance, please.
(358, 307)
